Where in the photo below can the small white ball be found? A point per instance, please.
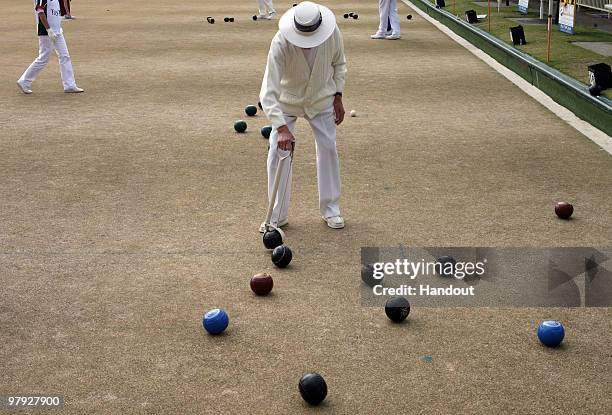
(353, 113)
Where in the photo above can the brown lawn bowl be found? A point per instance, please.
(564, 210)
(262, 283)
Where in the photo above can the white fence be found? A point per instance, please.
(595, 4)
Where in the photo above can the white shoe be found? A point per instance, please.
(74, 90)
(335, 222)
(262, 16)
(69, 17)
(393, 37)
(262, 227)
(25, 89)
(388, 33)
(377, 36)
(272, 15)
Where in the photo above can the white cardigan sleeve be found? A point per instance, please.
(339, 62)
(271, 85)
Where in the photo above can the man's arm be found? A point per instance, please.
(271, 85)
(270, 94)
(339, 64)
(40, 10)
(43, 19)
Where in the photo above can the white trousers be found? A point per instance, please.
(388, 13)
(328, 167)
(45, 46)
(265, 7)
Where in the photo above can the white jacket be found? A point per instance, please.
(289, 86)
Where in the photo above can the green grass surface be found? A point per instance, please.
(570, 59)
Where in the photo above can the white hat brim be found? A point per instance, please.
(307, 40)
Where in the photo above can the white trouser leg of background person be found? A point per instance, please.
(45, 45)
(384, 8)
(328, 168)
(394, 18)
(265, 7)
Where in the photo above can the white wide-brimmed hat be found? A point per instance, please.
(307, 25)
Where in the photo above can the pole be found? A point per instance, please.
(489, 16)
(550, 12)
(549, 31)
(550, 7)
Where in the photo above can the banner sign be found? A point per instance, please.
(567, 16)
(523, 5)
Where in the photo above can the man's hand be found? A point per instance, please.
(285, 138)
(338, 109)
(52, 35)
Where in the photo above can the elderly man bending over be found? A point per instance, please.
(305, 77)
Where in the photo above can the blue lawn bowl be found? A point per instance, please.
(215, 321)
(551, 333)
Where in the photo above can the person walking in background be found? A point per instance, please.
(65, 10)
(305, 76)
(266, 10)
(388, 16)
(50, 36)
